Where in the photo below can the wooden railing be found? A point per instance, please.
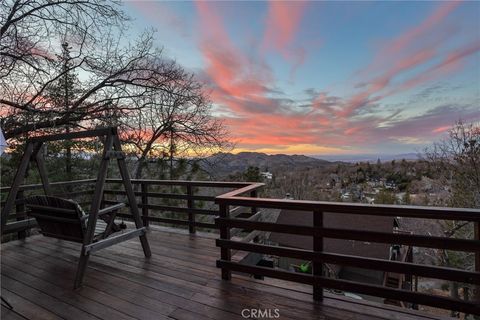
(149, 200)
(244, 195)
(189, 197)
(319, 257)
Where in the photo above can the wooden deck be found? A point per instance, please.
(180, 281)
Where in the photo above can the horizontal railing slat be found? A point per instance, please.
(164, 195)
(53, 184)
(350, 286)
(347, 234)
(212, 184)
(172, 221)
(356, 261)
(171, 208)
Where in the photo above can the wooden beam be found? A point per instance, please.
(74, 135)
(110, 241)
(17, 181)
(476, 296)
(94, 209)
(19, 226)
(191, 215)
(317, 266)
(131, 196)
(225, 253)
(39, 159)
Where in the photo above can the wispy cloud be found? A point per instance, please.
(243, 86)
(160, 13)
(408, 53)
(282, 23)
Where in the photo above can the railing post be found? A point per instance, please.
(225, 235)
(191, 215)
(21, 215)
(144, 192)
(253, 194)
(476, 294)
(317, 269)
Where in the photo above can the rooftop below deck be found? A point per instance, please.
(179, 281)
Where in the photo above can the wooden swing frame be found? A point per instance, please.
(112, 149)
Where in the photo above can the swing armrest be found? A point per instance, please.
(115, 207)
(106, 210)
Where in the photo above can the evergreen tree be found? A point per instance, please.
(252, 174)
(60, 94)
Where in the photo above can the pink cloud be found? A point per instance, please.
(402, 54)
(282, 23)
(377, 85)
(441, 129)
(407, 38)
(453, 62)
(235, 77)
(240, 85)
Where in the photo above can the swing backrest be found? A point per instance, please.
(58, 218)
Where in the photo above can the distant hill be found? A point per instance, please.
(352, 158)
(228, 163)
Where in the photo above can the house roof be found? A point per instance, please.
(339, 221)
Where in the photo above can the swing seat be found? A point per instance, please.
(65, 219)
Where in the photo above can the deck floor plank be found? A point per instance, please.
(116, 303)
(27, 309)
(60, 308)
(8, 314)
(180, 281)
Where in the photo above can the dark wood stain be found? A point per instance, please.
(179, 281)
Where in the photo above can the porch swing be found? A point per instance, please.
(64, 218)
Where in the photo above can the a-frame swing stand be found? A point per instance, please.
(112, 149)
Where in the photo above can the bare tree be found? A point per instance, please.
(30, 29)
(174, 122)
(457, 160)
(112, 77)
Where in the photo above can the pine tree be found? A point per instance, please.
(61, 94)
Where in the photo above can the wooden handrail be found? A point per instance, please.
(36, 186)
(145, 194)
(437, 213)
(211, 184)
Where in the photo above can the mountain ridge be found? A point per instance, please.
(229, 163)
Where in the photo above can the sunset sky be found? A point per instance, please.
(327, 77)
